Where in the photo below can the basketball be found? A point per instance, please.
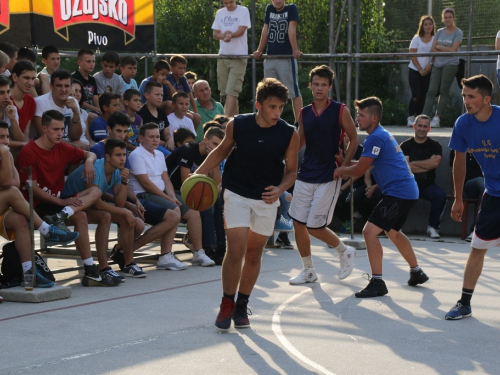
(199, 192)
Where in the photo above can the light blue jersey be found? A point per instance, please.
(76, 183)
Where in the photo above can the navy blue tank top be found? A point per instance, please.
(257, 159)
(324, 136)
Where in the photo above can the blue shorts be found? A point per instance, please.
(487, 231)
(154, 213)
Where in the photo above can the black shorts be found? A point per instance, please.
(391, 213)
(488, 215)
(44, 209)
(154, 213)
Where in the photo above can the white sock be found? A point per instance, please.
(68, 210)
(44, 228)
(88, 262)
(27, 266)
(340, 247)
(307, 262)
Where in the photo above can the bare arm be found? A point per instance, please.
(151, 187)
(292, 35)
(302, 136)
(354, 170)
(263, 41)
(45, 83)
(458, 185)
(193, 103)
(219, 153)
(7, 177)
(419, 166)
(453, 48)
(350, 129)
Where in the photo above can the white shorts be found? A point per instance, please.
(241, 212)
(313, 204)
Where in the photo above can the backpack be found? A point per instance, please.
(12, 269)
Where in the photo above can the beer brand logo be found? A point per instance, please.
(116, 13)
(4, 16)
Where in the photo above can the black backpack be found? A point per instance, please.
(12, 269)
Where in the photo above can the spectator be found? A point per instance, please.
(116, 128)
(424, 156)
(132, 104)
(27, 54)
(107, 80)
(183, 136)
(77, 93)
(208, 108)
(8, 113)
(419, 70)
(4, 61)
(52, 60)
(48, 158)
(108, 103)
(161, 70)
(15, 213)
(280, 35)
(447, 39)
(191, 77)
(150, 182)
(86, 65)
(222, 120)
(128, 67)
(23, 79)
(230, 29)
(11, 51)
(178, 119)
(497, 47)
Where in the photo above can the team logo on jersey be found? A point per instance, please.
(376, 150)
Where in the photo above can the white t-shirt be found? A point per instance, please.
(113, 85)
(498, 60)
(45, 102)
(421, 47)
(83, 119)
(231, 21)
(144, 162)
(176, 123)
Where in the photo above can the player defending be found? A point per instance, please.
(321, 128)
(396, 181)
(253, 179)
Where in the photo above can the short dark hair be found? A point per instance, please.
(106, 98)
(118, 118)
(128, 60)
(150, 85)
(26, 54)
(4, 81)
(323, 71)
(207, 125)
(23, 66)
(214, 131)
(271, 87)
(147, 126)
(61, 74)
(111, 144)
(47, 50)
(50, 115)
(177, 59)
(480, 82)
(373, 104)
(85, 51)
(161, 64)
(422, 116)
(3, 125)
(111, 57)
(181, 134)
(178, 94)
(221, 119)
(9, 49)
(128, 94)
(191, 75)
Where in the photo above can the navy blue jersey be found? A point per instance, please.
(257, 159)
(278, 42)
(324, 135)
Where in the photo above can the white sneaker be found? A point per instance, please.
(170, 262)
(433, 233)
(410, 121)
(307, 275)
(346, 262)
(435, 122)
(469, 237)
(201, 259)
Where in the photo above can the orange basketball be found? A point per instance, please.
(199, 192)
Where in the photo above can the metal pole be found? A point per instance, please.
(349, 59)
(32, 226)
(469, 39)
(332, 40)
(358, 47)
(254, 63)
(429, 7)
(154, 28)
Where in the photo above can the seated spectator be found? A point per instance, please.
(8, 114)
(150, 182)
(132, 104)
(128, 68)
(107, 80)
(23, 79)
(59, 99)
(15, 213)
(210, 124)
(4, 61)
(222, 120)
(208, 108)
(48, 158)
(108, 103)
(161, 70)
(181, 163)
(11, 51)
(178, 119)
(86, 65)
(27, 54)
(183, 136)
(191, 78)
(77, 93)
(424, 156)
(152, 112)
(116, 128)
(52, 60)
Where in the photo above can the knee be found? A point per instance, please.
(95, 193)
(370, 231)
(79, 218)
(104, 218)
(16, 221)
(139, 226)
(253, 256)
(172, 216)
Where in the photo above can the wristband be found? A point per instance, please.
(125, 182)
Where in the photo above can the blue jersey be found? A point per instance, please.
(76, 183)
(390, 168)
(278, 42)
(483, 140)
(323, 134)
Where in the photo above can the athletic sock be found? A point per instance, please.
(26, 266)
(68, 211)
(44, 228)
(340, 247)
(415, 269)
(230, 296)
(377, 276)
(88, 262)
(466, 296)
(307, 262)
(242, 298)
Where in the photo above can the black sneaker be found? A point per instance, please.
(109, 273)
(418, 277)
(41, 281)
(59, 236)
(118, 257)
(58, 220)
(375, 288)
(241, 313)
(226, 313)
(283, 241)
(93, 277)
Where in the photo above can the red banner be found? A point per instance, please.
(4, 14)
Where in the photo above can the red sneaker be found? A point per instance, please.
(226, 312)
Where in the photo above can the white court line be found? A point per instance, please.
(288, 346)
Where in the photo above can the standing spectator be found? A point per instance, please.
(86, 65)
(52, 60)
(230, 29)
(419, 70)
(208, 108)
(107, 80)
(23, 78)
(280, 35)
(424, 156)
(128, 67)
(447, 39)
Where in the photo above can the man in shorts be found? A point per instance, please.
(321, 129)
(253, 180)
(392, 173)
(477, 131)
